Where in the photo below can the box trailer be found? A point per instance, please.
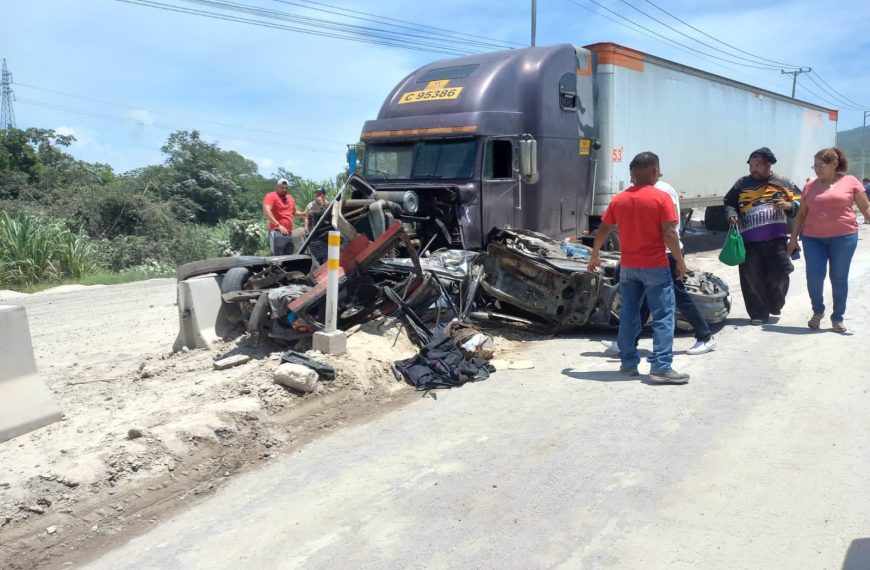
(701, 125)
(540, 138)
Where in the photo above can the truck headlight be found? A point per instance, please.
(411, 202)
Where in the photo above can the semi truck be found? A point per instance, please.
(541, 138)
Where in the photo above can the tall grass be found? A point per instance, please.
(33, 249)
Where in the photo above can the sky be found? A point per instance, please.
(120, 77)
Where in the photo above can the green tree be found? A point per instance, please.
(204, 176)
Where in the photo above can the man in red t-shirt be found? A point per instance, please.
(647, 223)
(279, 207)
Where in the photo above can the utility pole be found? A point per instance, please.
(794, 75)
(7, 114)
(864, 147)
(534, 20)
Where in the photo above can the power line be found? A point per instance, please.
(122, 119)
(752, 63)
(193, 119)
(816, 95)
(378, 19)
(419, 38)
(635, 27)
(374, 40)
(702, 32)
(839, 102)
(827, 88)
(709, 55)
(837, 93)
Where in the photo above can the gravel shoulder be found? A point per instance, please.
(145, 430)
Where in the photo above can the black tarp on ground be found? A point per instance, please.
(440, 364)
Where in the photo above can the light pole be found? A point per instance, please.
(794, 75)
(534, 20)
(864, 147)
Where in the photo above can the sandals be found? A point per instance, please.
(816, 321)
(838, 327)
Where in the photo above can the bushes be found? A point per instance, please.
(246, 237)
(32, 249)
(65, 218)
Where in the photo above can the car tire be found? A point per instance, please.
(234, 280)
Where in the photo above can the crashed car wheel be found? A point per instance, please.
(234, 280)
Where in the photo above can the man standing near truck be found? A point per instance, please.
(759, 204)
(647, 223)
(315, 209)
(704, 341)
(279, 208)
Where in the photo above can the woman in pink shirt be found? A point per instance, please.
(830, 232)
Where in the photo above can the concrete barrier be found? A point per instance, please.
(201, 318)
(26, 403)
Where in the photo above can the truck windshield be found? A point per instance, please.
(421, 160)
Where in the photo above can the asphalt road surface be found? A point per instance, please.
(761, 461)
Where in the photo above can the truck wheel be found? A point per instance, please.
(715, 219)
(234, 280)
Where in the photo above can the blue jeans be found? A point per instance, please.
(658, 287)
(837, 251)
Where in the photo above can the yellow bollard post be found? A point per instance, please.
(332, 267)
(331, 340)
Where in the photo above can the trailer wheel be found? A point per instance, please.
(715, 219)
(234, 280)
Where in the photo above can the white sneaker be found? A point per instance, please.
(702, 347)
(610, 347)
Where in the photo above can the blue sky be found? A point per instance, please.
(139, 73)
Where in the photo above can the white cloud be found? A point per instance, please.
(85, 139)
(264, 162)
(65, 131)
(141, 117)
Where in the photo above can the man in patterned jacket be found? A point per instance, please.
(760, 204)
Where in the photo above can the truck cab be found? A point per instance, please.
(487, 141)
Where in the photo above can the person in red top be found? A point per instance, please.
(830, 232)
(647, 222)
(279, 207)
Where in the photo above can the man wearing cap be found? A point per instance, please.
(315, 209)
(279, 207)
(760, 204)
(647, 222)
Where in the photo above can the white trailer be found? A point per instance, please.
(701, 125)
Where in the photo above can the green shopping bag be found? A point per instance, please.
(733, 251)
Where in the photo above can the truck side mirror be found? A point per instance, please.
(529, 158)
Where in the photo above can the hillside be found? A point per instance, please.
(850, 142)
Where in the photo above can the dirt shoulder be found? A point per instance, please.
(146, 431)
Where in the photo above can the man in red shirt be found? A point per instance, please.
(647, 222)
(279, 207)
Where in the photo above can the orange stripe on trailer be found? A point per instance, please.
(412, 132)
(332, 264)
(613, 54)
(334, 239)
(587, 66)
(833, 115)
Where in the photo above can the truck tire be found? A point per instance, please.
(234, 280)
(715, 219)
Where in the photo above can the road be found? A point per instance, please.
(761, 461)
